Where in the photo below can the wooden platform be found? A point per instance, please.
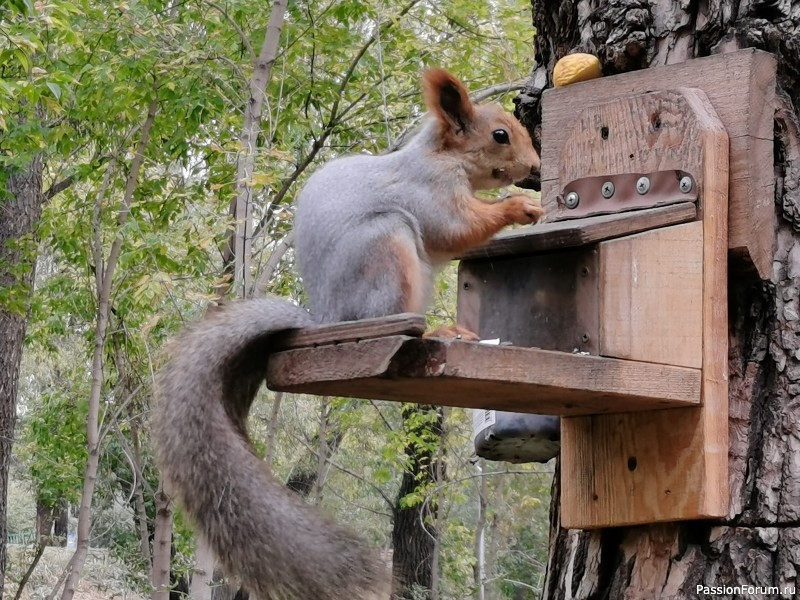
(475, 375)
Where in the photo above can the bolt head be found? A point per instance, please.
(608, 189)
(572, 200)
(643, 185)
(686, 184)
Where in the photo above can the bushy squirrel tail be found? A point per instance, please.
(260, 531)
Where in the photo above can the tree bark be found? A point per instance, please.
(413, 531)
(757, 544)
(20, 208)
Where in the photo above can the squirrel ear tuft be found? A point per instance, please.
(447, 99)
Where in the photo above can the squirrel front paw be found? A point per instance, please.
(523, 210)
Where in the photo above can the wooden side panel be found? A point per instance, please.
(651, 296)
(668, 465)
(741, 88)
(546, 300)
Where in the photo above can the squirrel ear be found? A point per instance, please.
(447, 99)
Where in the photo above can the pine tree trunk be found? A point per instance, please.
(757, 544)
(20, 207)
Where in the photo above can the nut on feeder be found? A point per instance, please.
(576, 67)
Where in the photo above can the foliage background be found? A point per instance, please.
(77, 81)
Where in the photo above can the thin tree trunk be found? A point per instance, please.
(162, 545)
(438, 500)
(238, 252)
(413, 529)
(104, 278)
(757, 544)
(125, 384)
(19, 213)
(203, 572)
(479, 568)
(43, 543)
(272, 429)
(324, 449)
(138, 496)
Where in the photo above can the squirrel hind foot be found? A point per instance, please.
(453, 332)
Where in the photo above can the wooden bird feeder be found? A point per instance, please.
(616, 307)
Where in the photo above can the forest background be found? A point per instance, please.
(150, 154)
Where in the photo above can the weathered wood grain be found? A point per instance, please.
(473, 375)
(741, 88)
(651, 296)
(646, 468)
(350, 331)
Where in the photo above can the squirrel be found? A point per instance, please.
(371, 231)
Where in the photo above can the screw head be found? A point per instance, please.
(608, 189)
(572, 200)
(686, 184)
(643, 185)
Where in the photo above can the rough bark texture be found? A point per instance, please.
(20, 207)
(413, 530)
(757, 544)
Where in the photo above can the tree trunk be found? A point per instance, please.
(203, 572)
(756, 545)
(413, 531)
(103, 281)
(51, 523)
(162, 545)
(20, 207)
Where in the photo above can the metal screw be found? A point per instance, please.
(608, 189)
(686, 184)
(571, 200)
(643, 185)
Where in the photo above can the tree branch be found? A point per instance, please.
(335, 116)
(260, 286)
(242, 36)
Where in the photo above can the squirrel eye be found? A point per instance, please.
(501, 136)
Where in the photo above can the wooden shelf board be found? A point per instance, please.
(410, 324)
(580, 232)
(472, 375)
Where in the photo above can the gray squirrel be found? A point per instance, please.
(370, 233)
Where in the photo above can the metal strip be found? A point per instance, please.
(607, 194)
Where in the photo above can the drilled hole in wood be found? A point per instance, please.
(604, 132)
(656, 121)
(632, 463)
(595, 497)
(467, 285)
